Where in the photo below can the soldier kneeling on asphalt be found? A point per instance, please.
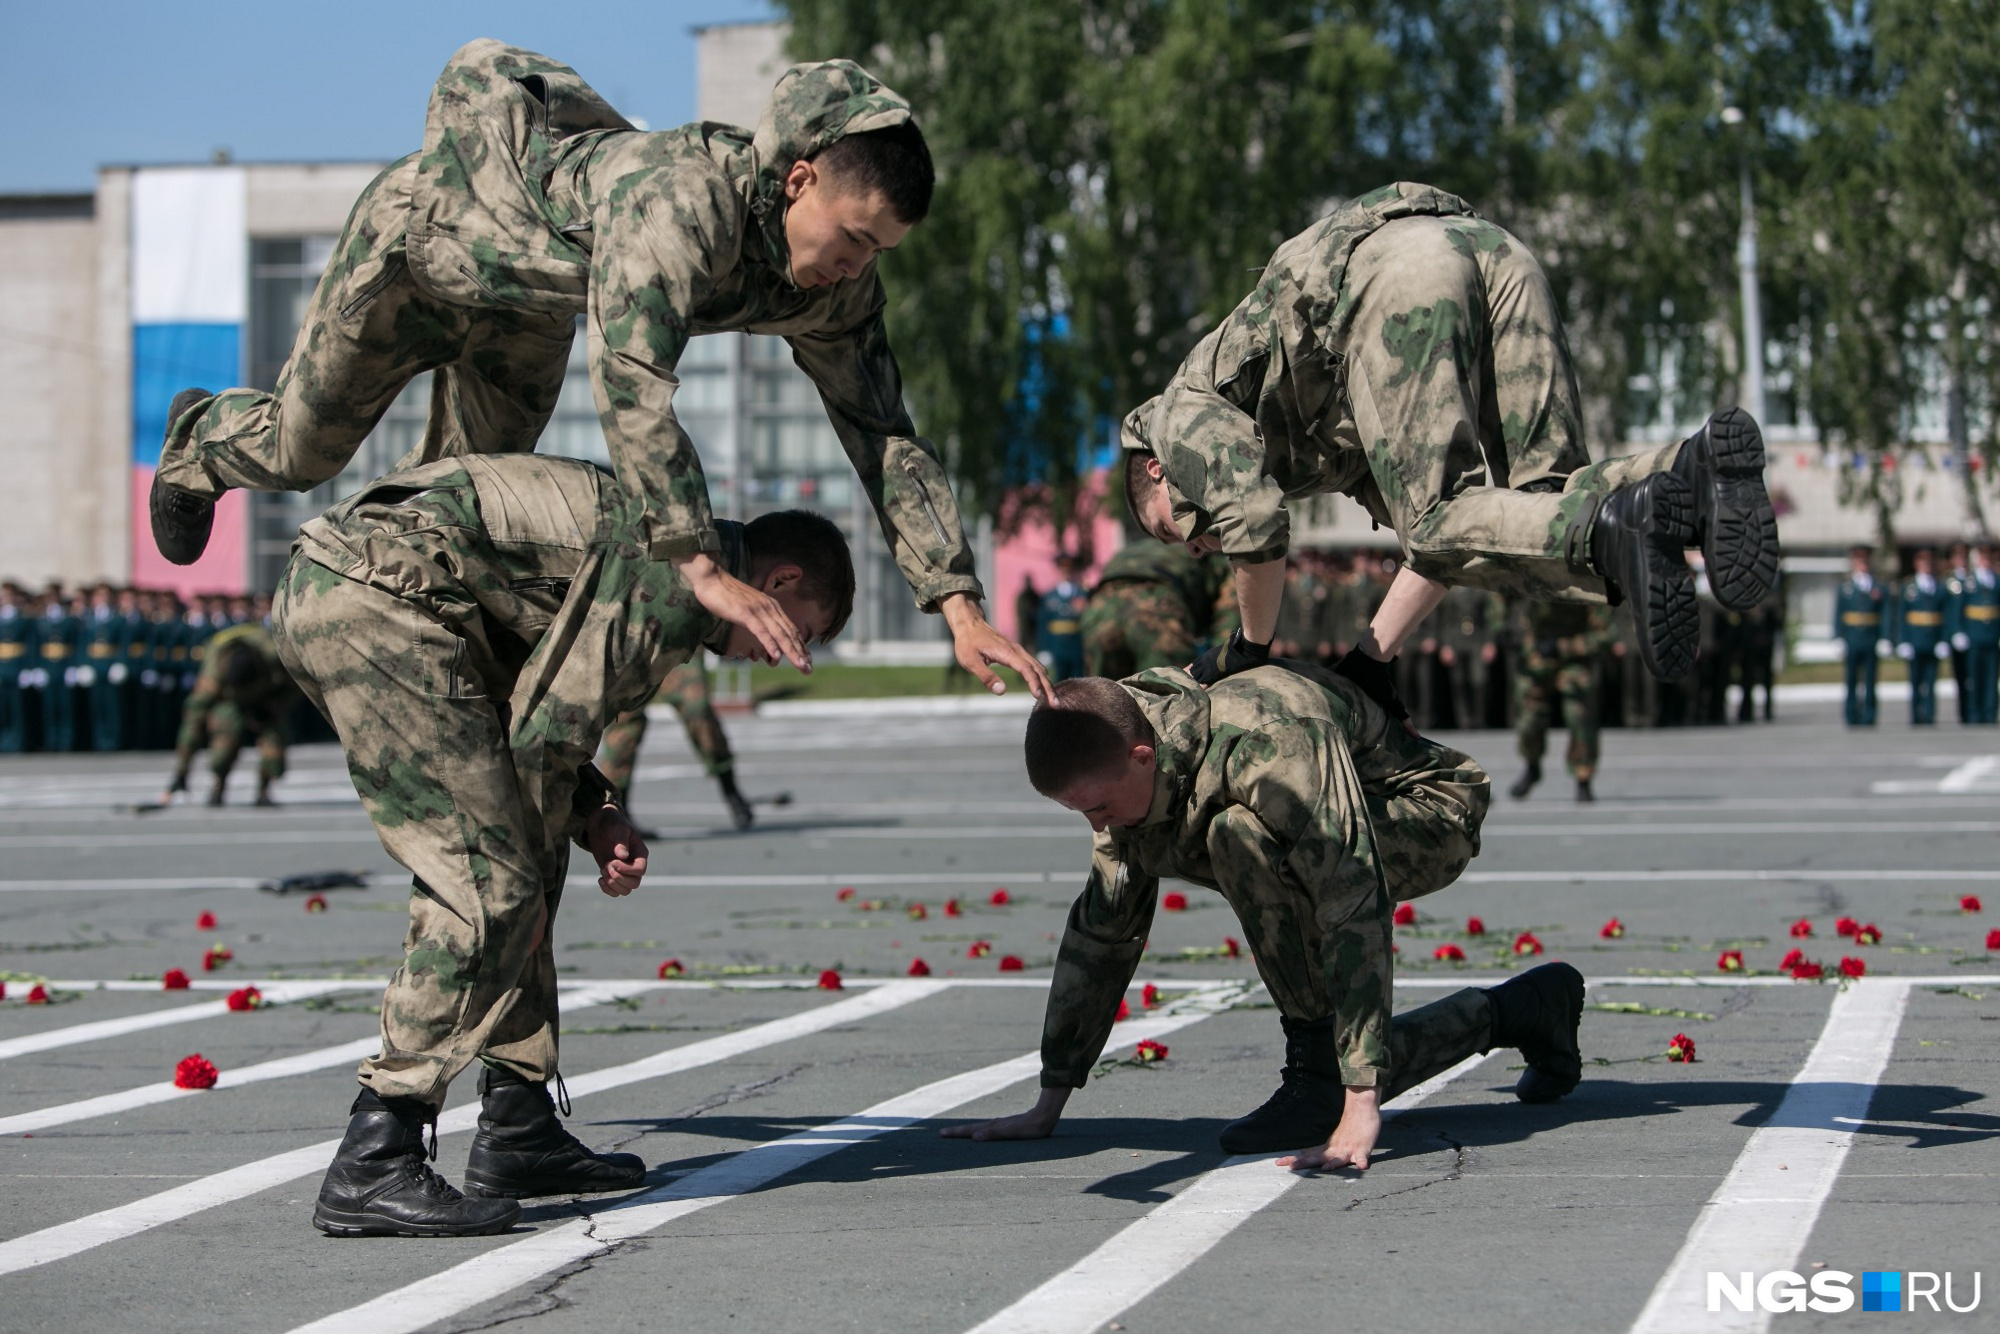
(469, 627)
(1314, 813)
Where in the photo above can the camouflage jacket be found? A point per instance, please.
(1258, 412)
(536, 565)
(1556, 632)
(533, 194)
(268, 691)
(1262, 743)
(1199, 580)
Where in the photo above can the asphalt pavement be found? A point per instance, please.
(797, 1180)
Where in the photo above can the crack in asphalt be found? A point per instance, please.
(1454, 1173)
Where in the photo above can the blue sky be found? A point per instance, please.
(118, 81)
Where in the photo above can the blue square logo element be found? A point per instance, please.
(1881, 1290)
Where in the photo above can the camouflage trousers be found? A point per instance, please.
(1130, 625)
(1542, 687)
(428, 751)
(1463, 395)
(685, 690)
(370, 330)
(226, 726)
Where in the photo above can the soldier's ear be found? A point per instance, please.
(780, 577)
(802, 177)
(1143, 757)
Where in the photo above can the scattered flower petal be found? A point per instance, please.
(205, 922)
(979, 949)
(1000, 898)
(1150, 1051)
(1174, 902)
(1612, 930)
(846, 894)
(1149, 996)
(316, 903)
(918, 968)
(1731, 961)
(918, 912)
(245, 998)
(218, 955)
(829, 981)
(1681, 1048)
(1526, 943)
(1846, 926)
(195, 1072)
(1231, 947)
(951, 908)
(1011, 964)
(671, 968)
(1801, 929)
(1968, 903)
(1124, 1011)
(1448, 954)
(1853, 968)
(174, 980)
(1868, 935)
(1474, 927)
(38, 994)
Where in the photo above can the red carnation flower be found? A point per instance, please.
(1791, 961)
(1124, 1011)
(1801, 929)
(1993, 940)
(245, 998)
(671, 968)
(174, 980)
(1846, 926)
(205, 922)
(829, 981)
(1968, 903)
(951, 908)
(1150, 1051)
(918, 968)
(978, 949)
(1805, 970)
(1731, 961)
(1612, 930)
(1448, 954)
(38, 994)
(918, 912)
(1175, 902)
(3, 991)
(1474, 927)
(1525, 943)
(1000, 898)
(1011, 964)
(1681, 1048)
(1405, 914)
(316, 903)
(218, 955)
(1868, 935)
(195, 1072)
(846, 893)
(1231, 947)
(1149, 996)
(1853, 968)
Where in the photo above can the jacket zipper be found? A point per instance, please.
(552, 584)
(930, 512)
(370, 292)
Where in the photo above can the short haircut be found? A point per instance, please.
(895, 161)
(1083, 731)
(816, 545)
(1139, 484)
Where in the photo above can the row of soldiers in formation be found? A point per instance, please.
(1927, 620)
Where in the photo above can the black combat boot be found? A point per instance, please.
(381, 1183)
(1538, 1012)
(181, 519)
(522, 1150)
(1584, 792)
(218, 793)
(1306, 1108)
(740, 812)
(1638, 544)
(1723, 463)
(1526, 782)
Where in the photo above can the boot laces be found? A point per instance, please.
(562, 1094)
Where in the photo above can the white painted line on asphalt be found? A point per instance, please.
(1838, 828)
(277, 993)
(499, 1271)
(1971, 775)
(1762, 1214)
(66, 1239)
(1148, 1253)
(1804, 876)
(234, 838)
(50, 885)
(147, 1095)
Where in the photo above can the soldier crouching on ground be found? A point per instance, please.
(468, 627)
(1313, 813)
(243, 692)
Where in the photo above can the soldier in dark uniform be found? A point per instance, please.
(1153, 605)
(1463, 636)
(1861, 624)
(17, 656)
(57, 674)
(1954, 586)
(1762, 630)
(1921, 640)
(1027, 610)
(101, 638)
(1059, 622)
(1976, 634)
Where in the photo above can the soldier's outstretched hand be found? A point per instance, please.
(1352, 1142)
(619, 849)
(977, 645)
(728, 598)
(1039, 1122)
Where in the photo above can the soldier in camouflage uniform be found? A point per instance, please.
(533, 202)
(1561, 643)
(1411, 355)
(1313, 813)
(468, 627)
(1152, 607)
(242, 693)
(685, 691)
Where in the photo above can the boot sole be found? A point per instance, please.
(535, 1190)
(342, 1223)
(180, 542)
(1739, 529)
(1539, 1086)
(1663, 606)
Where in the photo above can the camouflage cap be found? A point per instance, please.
(812, 106)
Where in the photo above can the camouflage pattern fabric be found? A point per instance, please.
(223, 716)
(1153, 606)
(685, 691)
(533, 202)
(1560, 647)
(1408, 354)
(468, 627)
(1288, 791)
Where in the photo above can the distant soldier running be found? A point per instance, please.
(242, 694)
(1561, 646)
